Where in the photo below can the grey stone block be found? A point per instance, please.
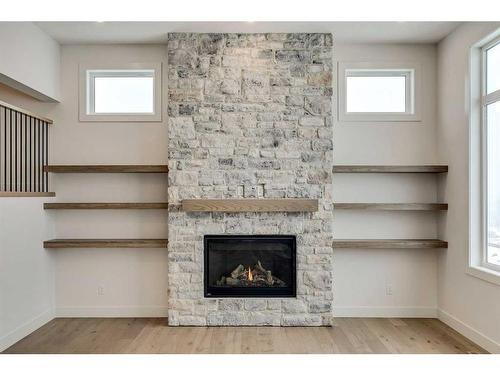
(253, 304)
(294, 306)
(250, 115)
(301, 320)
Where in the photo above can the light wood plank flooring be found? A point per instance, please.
(147, 335)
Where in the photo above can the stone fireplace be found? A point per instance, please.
(250, 117)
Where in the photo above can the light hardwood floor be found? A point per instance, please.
(147, 335)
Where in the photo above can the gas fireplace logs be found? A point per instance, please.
(257, 276)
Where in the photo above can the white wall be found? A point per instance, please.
(79, 273)
(467, 303)
(133, 281)
(362, 277)
(29, 60)
(26, 269)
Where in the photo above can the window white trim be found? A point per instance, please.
(411, 72)
(486, 99)
(89, 71)
(477, 265)
(91, 76)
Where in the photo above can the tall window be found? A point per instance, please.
(490, 120)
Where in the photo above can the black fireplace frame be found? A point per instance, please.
(245, 292)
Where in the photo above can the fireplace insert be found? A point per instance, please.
(250, 266)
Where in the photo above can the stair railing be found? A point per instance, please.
(24, 150)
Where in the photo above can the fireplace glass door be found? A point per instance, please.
(250, 266)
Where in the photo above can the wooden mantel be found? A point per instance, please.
(250, 205)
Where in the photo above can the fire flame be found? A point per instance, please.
(250, 276)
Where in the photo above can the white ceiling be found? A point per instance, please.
(155, 32)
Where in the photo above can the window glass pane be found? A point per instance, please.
(376, 94)
(493, 69)
(493, 190)
(123, 94)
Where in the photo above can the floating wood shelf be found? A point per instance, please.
(106, 168)
(389, 244)
(26, 194)
(250, 205)
(104, 206)
(390, 168)
(392, 206)
(105, 243)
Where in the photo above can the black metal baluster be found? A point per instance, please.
(46, 156)
(35, 155)
(37, 143)
(43, 153)
(10, 150)
(5, 149)
(38, 157)
(21, 116)
(33, 145)
(31, 153)
(26, 154)
(15, 151)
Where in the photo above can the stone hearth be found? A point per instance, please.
(250, 115)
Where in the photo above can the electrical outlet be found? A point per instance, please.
(100, 290)
(388, 289)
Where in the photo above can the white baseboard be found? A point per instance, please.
(384, 312)
(469, 332)
(112, 312)
(25, 329)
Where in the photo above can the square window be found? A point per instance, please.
(378, 92)
(121, 94)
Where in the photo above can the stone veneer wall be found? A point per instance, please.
(250, 115)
